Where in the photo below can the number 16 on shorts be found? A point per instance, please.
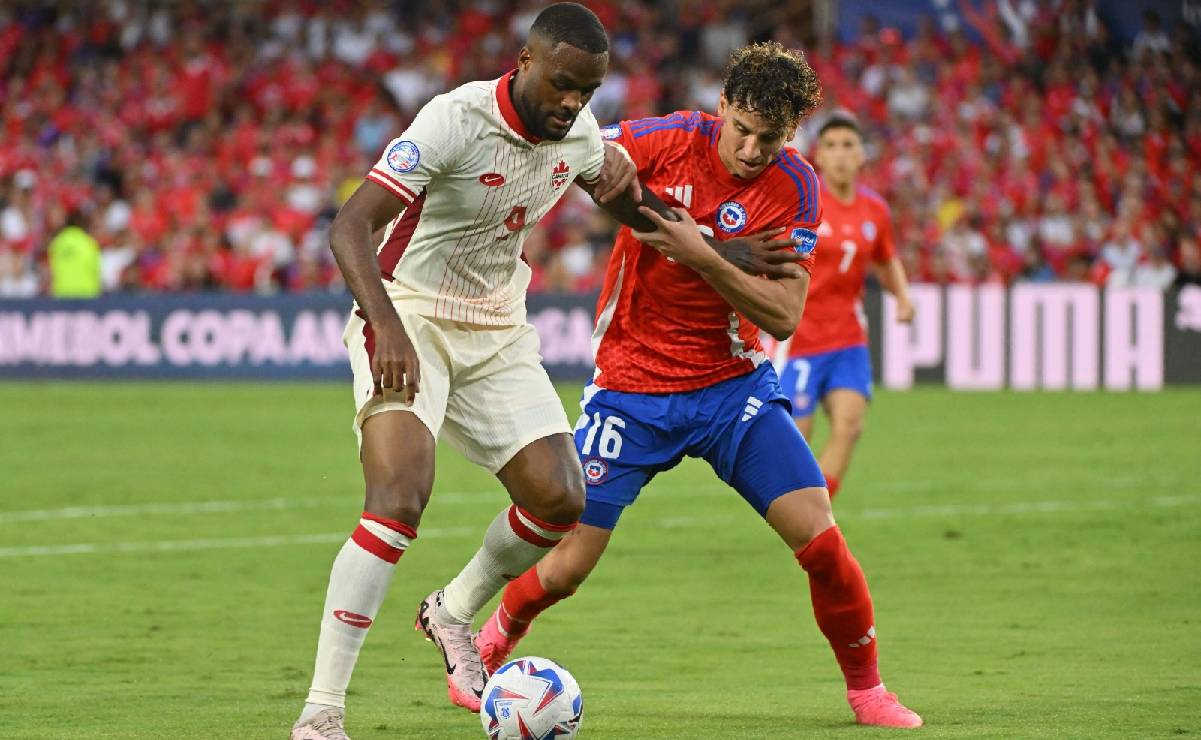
(610, 438)
(607, 429)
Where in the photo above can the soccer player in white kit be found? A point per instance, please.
(439, 343)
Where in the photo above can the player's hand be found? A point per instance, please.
(905, 312)
(764, 254)
(394, 363)
(676, 240)
(618, 175)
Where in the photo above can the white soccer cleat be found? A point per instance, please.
(324, 725)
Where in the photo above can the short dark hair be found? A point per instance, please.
(571, 24)
(773, 82)
(840, 119)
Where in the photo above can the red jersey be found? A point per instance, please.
(850, 234)
(660, 328)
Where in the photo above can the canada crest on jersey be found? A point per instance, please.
(560, 175)
(403, 156)
(731, 217)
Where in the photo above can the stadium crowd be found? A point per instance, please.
(202, 147)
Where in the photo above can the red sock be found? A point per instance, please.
(843, 606)
(523, 600)
(832, 484)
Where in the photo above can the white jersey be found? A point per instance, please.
(475, 182)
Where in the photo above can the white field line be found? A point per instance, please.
(214, 507)
(466, 497)
(911, 512)
(221, 543)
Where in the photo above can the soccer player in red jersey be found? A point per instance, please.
(680, 370)
(828, 361)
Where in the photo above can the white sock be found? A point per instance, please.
(514, 541)
(357, 585)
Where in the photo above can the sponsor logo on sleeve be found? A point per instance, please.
(611, 132)
(731, 217)
(403, 156)
(804, 240)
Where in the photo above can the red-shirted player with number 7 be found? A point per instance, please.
(680, 370)
(827, 362)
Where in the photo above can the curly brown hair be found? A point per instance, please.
(773, 82)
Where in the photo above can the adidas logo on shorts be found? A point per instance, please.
(752, 407)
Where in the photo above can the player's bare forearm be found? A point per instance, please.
(624, 209)
(775, 306)
(350, 241)
(762, 255)
(394, 362)
(892, 278)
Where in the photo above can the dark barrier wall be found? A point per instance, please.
(226, 337)
(1054, 336)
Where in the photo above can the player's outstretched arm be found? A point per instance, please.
(394, 363)
(773, 305)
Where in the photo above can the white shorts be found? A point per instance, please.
(482, 388)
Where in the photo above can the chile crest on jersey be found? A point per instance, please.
(731, 217)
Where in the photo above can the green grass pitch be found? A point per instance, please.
(164, 550)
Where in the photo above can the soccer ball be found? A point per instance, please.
(531, 699)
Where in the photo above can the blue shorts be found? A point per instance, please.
(807, 380)
(740, 426)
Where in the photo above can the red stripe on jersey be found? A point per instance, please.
(381, 172)
(392, 524)
(522, 530)
(368, 336)
(391, 186)
(399, 240)
(374, 545)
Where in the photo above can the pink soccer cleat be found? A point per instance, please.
(324, 725)
(494, 644)
(880, 708)
(465, 677)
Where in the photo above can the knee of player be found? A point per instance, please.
(848, 427)
(561, 577)
(562, 499)
(397, 498)
(566, 503)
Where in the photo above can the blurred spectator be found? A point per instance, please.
(1155, 272)
(17, 278)
(1152, 37)
(211, 143)
(1190, 263)
(74, 260)
(1121, 254)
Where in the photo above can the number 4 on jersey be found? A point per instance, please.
(515, 221)
(610, 438)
